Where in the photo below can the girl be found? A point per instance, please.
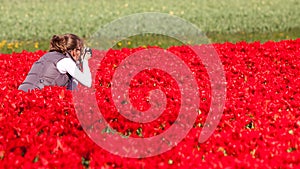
(59, 66)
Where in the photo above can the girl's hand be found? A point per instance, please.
(87, 53)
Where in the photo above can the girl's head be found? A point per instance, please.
(67, 43)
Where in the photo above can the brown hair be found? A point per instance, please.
(65, 43)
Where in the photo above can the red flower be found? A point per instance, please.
(259, 127)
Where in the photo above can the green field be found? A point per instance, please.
(29, 24)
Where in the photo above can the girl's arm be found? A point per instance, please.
(67, 65)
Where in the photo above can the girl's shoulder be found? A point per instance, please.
(66, 60)
(66, 65)
(54, 57)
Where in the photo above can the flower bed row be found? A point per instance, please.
(259, 127)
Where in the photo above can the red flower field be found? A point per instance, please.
(259, 127)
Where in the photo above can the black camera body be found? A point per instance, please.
(86, 51)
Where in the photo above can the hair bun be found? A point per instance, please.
(65, 43)
(55, 38)
(58, 43)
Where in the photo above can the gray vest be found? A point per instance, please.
(44, 73)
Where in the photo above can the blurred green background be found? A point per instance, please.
(29, 24)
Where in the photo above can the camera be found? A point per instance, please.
(87, 52)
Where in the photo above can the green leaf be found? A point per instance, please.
(139, 132)
(36, 159)
(85, 162)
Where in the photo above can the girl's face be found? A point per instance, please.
(76, 53)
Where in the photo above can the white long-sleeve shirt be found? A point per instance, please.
(67, 65)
